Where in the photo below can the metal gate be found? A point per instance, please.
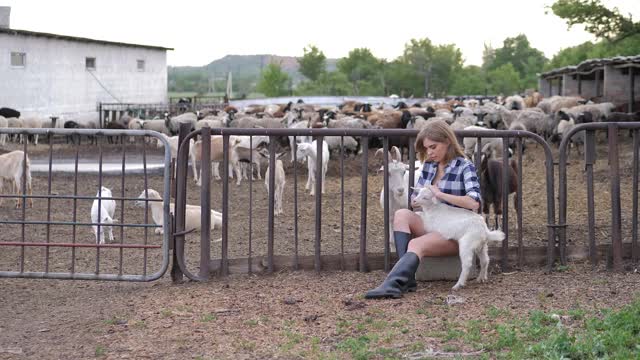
(57, 236)
(586, 134)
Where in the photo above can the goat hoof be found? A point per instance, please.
(457, 287)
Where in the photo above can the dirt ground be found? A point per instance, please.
(285, 315)
(64, 319)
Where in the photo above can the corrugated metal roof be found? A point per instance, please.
(591, 64)
(75, 38)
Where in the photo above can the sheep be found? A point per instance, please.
(619, 117)
(599, 112)
(154, 125)
(13, 166)
(32, 122)
(280, 180)
(298, 139)
(192, 213)
(398, 186)
(469, 143)
(515, 102)
(173, 123)
(9, 112)
(113, 125)
(15, 123)
(247, 153)
(490, 176)
(102, 212)
(216, 155)
(349, 144)
(173, 146)
(308, 150)
(3, 125)
(462, 225)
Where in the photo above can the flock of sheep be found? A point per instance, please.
(549, 118)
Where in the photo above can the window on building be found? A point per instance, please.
(140, 65)
(90, 63)
(18, 59)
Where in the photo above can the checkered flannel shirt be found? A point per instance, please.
(460, 178)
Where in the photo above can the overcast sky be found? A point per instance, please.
(203, 31)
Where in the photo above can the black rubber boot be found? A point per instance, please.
(395, 283)
(401, 240)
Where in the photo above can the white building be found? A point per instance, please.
(49, 74)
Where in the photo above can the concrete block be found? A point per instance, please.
(442, 268)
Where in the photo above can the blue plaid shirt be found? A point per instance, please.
(460, 178)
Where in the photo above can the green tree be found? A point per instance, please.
(332, 83)
(419, 55)
(504, 80)
(360, 67)
(313, 63)
(401, 79)
(273, 81)
(527, 61)
(447, 60)
(597, 19)
(470, 80)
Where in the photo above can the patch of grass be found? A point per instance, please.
(251, 322)
(563, 268)
(100, 351)
(112, 321)
(293, 338)
(357, 347)
(494, 312)
(166, 313)
(209, 317)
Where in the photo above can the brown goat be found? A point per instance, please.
(490, 174)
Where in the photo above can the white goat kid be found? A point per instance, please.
(466, 227)
(308, 150)
(173, 145)
(106, 209)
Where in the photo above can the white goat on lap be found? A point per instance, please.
(308, 150)
(107, 209)
(466, 227)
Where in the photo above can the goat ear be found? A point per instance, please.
(379, 151)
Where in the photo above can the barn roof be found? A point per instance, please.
(75, 38)
(588, 66)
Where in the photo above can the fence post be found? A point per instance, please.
(178, 218)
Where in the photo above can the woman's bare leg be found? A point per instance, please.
(433, 245)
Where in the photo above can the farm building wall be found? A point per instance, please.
(55, 80)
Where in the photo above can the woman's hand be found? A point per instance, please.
(436, 191)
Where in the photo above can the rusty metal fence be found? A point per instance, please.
(586, 134)
(363, 260)
(50, 239)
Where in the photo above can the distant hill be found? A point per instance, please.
(246, 66)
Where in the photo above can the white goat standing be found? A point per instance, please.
(466, 227)
(398, 187)
(280, 180)
(12, 166)
(107, 209)
(308, 150)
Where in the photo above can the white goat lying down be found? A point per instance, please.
(308, 150)
(107, 209)
(466, 227)
(11, 170)
(192, 216)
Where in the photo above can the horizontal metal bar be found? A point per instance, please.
(80, 276)
(76, 245)
(36, 222)
(78, 197)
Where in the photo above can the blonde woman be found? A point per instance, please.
(454, 181)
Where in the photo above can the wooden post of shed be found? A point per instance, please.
(579, 78)
(598, 82)
(632, 95)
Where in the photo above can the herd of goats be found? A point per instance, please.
(549, 118)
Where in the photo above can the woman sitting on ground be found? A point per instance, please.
(454, 181)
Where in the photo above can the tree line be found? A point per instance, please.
(426, 69)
